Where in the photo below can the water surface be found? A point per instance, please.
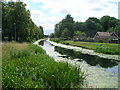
(102, 73)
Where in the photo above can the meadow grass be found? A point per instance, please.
(28, 66)
(106, 48)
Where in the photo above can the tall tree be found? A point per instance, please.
(92, 28)
(66, 33)
(17, 23)
(65, 23)
(108, 22)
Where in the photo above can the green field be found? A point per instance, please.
(28, 66)
(106, 48)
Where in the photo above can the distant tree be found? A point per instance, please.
(92, 28)
(58, 30)
(96, 20)
(66, 33)
(68, 23)
(80, 26)
(51, 35)
(65, 23)
(108, 22)
(79, 33)
(114, 29)
(42, 31)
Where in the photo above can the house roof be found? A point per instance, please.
(103, 34)
(117, 34)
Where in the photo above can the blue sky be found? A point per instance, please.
(47, 13)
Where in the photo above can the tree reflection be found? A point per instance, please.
(91, 60)
(41, 43)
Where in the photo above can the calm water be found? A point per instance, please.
(95, 65)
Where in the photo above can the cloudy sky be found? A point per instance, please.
(47, 13)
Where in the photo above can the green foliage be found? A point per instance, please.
(38, 70)
(62, 25)
(66, 33)
(90, 27)
(114, 29)
(17, 23)
(58, 40)
(108, 22)
(107, 50)
(36, 49)
(20, 54)
(52, 35)
(79, 33)
(101, 40)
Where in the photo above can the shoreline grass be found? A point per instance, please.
(28, 66)
(105, 48)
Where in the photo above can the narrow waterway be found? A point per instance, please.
(101, 73)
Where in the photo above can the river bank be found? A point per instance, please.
(26, 65)
(86, 51)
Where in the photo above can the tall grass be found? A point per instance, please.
(29, 67)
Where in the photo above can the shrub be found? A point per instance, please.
(101, 41)
(106, 50)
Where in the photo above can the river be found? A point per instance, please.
(101, 73)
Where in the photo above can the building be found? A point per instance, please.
(107, 37)
(102, 37)
(115, 37)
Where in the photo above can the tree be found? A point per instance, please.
(80, 26)
(52, 35)
(94, 19)
(92, 28)
(108, 22)
(68, 23)
(114, 29)
(65, 23)
(66, 33)
(17, 24)
(58, 30)
(79, 33)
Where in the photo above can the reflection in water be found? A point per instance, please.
(41, 42)
(102, 73)
(106, 64)
(91, 60)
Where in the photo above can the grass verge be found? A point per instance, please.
(28, 66)
(105, 48)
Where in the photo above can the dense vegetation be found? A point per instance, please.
(27, 66)
(67, 27)
(106, 48)
(17, 23)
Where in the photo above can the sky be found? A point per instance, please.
(47, 13)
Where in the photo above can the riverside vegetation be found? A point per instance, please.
(28, 66)
(105, 48)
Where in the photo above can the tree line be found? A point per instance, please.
(68, 28)
(17, 23)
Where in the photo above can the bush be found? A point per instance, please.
(101, 41)
(106, 50)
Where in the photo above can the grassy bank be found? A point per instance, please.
(27, 66)
(106, 48)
